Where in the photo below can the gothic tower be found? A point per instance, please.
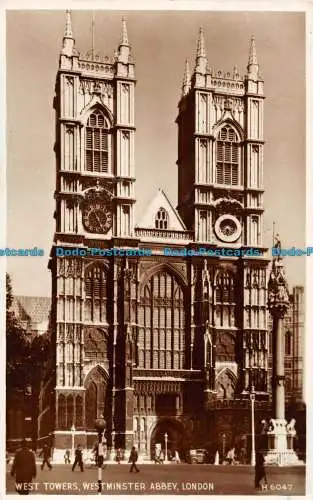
(220, 199)
(94, 195)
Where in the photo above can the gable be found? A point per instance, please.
(160, 209)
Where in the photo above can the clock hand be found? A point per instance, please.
(98, 220)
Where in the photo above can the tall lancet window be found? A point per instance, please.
(161, 219)
(227, 157)
(162, 324)
(97, 143)
(95, 290)
(225, 299)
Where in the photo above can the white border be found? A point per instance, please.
(220, 5)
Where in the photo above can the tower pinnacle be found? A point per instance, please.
(186, 79)
(201, 59)
(253, 66)
(124, 37)
(68, 39)
(68, 27)
(123, 52)
(201, 46)
(252, 55)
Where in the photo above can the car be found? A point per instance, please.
(198, 456)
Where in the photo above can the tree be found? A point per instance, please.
(17, 348)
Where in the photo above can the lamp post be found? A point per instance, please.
(165, 439)
(73, 444)
(100, 425)
(252, 399)
(223, 447)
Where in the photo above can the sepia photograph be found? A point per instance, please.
(155, 252)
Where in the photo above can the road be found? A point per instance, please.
(166, 479)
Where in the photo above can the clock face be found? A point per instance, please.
(228, 228)
(97, 217)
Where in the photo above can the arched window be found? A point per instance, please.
(96, 293)
(70, 411)
(62, 411)
(288, 343)
(97, 143)
(225, 299)
(161, 219)
(162, 324)
(79, 411)
(227, 157)
(91, 405)
(96, 398)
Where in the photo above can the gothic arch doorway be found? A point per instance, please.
(175, 438)
(97, 401)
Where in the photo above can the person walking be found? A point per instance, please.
(46, 457)
(24, 469)
(176, 457)
(259, 470)
(133, 459)
(78, 458)
(67, 457)
(119, 456)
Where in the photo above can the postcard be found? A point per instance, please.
(156, 250)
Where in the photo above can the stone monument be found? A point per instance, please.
(280, 434)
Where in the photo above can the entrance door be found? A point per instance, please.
(175, 438)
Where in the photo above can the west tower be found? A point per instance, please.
(220, 199)
(95, 130)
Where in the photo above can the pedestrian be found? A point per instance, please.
(176, 457)
(118, 455)
(46, 457)
(67, 457)
(259, 470)
(24, 469)
(231, 456)
(133, 459)
(78, 458)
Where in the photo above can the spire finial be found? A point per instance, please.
(68, 39)
(68, 27)
(186, 79)
(124, 37)
(253, 66)
(252, 54)
(201, 59)
(124, 49)
(201, 45)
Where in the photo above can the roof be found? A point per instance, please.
(32, 309)
(160, 200)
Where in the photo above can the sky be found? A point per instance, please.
(161, 41)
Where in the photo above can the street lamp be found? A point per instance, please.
(100, 425)
(165, 439)
(73, 435)
(223, 447)
(252, 399)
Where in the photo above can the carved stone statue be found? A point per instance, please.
(277, 242)
(291, 426)
(264, 427)
(272, 425)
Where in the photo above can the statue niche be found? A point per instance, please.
(225, 385)
(225, 347)
(96, 346)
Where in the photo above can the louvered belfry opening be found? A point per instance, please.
(96, 293)
(97, 143)
(227, 165)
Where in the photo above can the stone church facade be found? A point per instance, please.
(157, 344)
